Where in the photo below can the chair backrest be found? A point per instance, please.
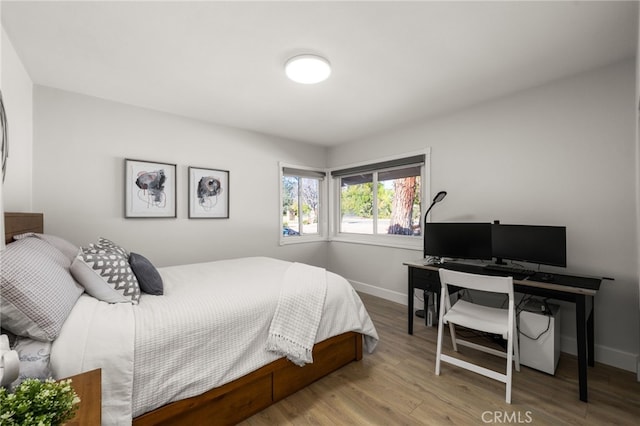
(477, 282)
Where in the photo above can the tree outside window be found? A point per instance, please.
(393, 208)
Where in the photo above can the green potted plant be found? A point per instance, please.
(41, 403)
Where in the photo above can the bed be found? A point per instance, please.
(159, 369)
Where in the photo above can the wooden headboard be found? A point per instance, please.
(19, 223)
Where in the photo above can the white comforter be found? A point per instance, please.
(209, 328)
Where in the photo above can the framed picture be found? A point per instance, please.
(4, 146)
(208, 193)
(149, 189)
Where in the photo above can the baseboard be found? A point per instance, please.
(605, 355)
(382, 293)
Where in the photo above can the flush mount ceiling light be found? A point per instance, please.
(307, 69)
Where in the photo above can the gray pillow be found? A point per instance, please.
(147, 274)
(38, 292)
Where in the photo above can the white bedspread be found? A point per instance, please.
(209, 328)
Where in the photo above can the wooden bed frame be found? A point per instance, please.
(240, 399)
(19, 223)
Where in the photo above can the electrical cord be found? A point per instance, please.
(519, 309)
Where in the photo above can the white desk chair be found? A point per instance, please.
(481, 318)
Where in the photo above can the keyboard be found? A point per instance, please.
(509, 270)
(590, 283)
(462, 267)
(491, 269)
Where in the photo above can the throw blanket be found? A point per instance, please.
(295, 323)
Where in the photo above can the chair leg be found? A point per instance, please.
(509, 374)
(516, 347)
(440, 332)
(452, 331)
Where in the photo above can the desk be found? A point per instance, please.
(578, 290)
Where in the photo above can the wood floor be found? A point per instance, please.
(396, 385)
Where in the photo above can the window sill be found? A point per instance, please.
(414, 243)
(301, 239)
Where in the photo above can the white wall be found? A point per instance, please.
(559, 154)
(80, 144)
(17, 93)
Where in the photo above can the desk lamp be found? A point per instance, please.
(420, 313)
(439, 197)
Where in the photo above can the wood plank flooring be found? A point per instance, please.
(396, 385)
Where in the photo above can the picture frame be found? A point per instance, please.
(4, 144)
(150, 189)
(208, 193)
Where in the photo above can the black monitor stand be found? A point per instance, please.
(499, 260)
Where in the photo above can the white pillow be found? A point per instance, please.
(34, 360)
(106, 275)
(38, 292)
(65, 247)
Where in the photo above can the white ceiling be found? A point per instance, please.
(393, 62)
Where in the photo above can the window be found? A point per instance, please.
(380, 199)
(301, 202)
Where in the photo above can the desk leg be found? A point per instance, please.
(581, 336)
(410, 295)
(425, 296)
(590, 334)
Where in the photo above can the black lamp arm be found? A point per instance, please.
(428, 210)
(439, 197)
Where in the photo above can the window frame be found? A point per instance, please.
(322, 234)
(388, 240)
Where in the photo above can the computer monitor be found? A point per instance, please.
(545, 245)
(458, 240)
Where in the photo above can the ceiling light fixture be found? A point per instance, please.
(308, 69)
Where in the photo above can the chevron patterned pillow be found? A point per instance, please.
(106, 275)
(108, 245)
